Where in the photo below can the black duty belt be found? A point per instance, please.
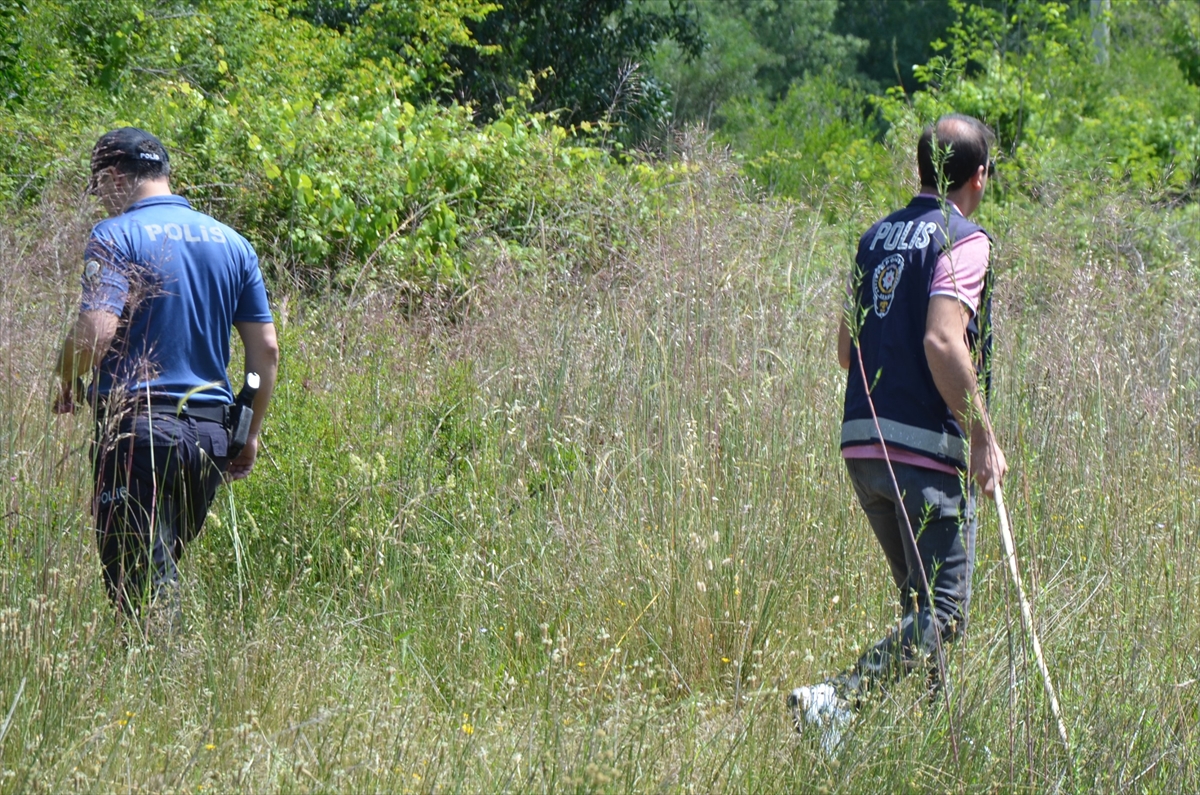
(211, 413)
(170, 407)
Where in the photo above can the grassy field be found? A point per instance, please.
(587, 535)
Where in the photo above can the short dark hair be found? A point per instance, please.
(133, 152)
(968, 141)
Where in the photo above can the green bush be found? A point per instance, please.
(314, 142)
(823, 132)
(1060, 117)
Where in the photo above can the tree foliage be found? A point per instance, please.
(1028, 69)
(587, 54)
(417, 33)
(1184, 38)
(898, 35)
(1031, 74)
(354, 141)
(313, 138)
(755, 48)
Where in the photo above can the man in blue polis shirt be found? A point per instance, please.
(163, 286)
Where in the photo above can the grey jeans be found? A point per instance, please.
(942, 515)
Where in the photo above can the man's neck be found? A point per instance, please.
(966, 199)
(933, 193)
(148, 189)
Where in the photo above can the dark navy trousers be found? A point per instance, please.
(942, 515)
(155, 476)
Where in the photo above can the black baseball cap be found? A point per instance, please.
(127, 145)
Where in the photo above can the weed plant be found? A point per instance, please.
(587, 536)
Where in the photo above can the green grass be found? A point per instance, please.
(587, 536)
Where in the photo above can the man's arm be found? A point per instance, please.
(949, 359)
(262, 357)
(86, 343)
(843, 341)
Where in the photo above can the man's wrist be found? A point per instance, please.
(981, 434)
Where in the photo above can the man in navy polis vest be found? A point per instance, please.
(915, 341)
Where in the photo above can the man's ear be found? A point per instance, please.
(977, 180)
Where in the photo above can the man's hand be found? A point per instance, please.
(241, 466)
(69, 396)
(64, 401)
(86, 343)
(988, 465)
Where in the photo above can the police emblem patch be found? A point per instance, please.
(884, 283)
(91, 271)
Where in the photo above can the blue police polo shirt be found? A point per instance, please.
(178, 280)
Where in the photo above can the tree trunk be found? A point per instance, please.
(1100, 12)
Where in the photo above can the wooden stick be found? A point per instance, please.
(1010, 552)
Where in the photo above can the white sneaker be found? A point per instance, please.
(819, 706)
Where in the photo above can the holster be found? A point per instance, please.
(241, 415)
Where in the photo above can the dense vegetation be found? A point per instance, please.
(379, 143)
(550, 497)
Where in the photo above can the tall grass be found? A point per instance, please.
(588, 535)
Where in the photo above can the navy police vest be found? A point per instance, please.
(895, 268)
